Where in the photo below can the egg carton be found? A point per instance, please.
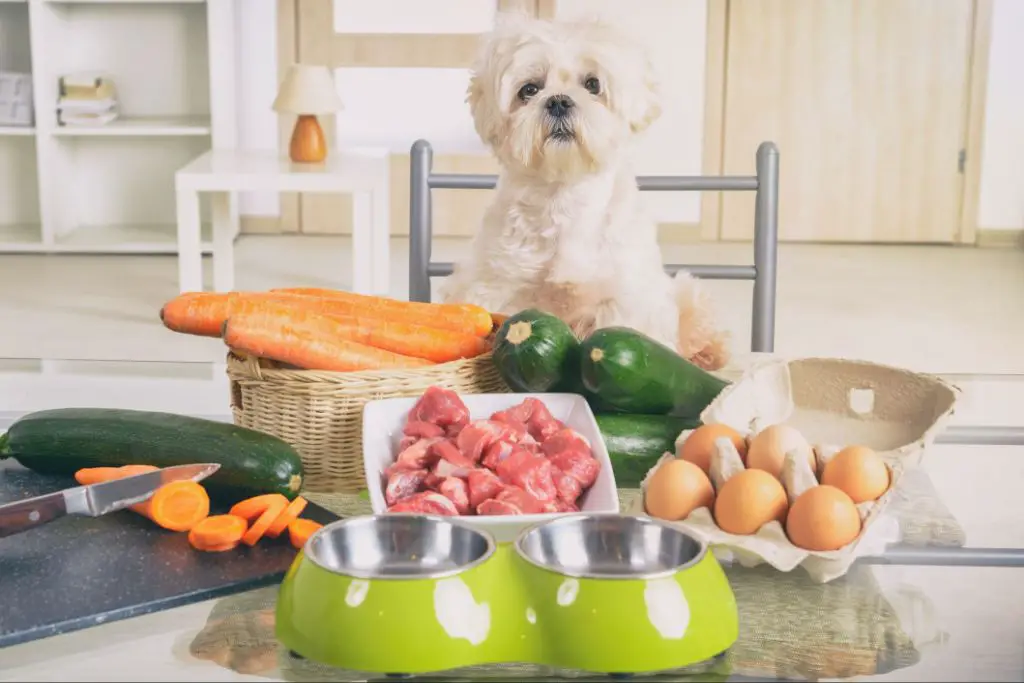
(833, 403)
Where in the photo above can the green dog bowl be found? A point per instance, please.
(414, 594)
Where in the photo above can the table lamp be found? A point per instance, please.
(307, 91)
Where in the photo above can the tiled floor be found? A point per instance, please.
(928, 308)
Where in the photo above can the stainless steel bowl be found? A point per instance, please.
(609, 547)
(398, 546)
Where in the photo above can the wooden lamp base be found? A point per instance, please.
(307, 144)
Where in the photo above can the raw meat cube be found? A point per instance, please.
(423, 430)
(497, 507)
(406, 442)
(402, 484)
(521, 499)
(534, 414)
(446, 450)
(441, 407)
(532, 473)
(426, 503)
(565, 439)
(418, 456)
(433, 481)
(568, 487)
(445, 468)
(497, 452)
(579, 465)
(483, 485)
(456, 490)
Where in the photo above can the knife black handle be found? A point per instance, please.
(26, 514)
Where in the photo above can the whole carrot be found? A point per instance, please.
(308, 340)
(205, 314)
(458, 317)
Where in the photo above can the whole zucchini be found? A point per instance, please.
(635, 443)
(633, 373)
(537, 352)
(65, 440)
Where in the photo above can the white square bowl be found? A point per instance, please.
(384, 419)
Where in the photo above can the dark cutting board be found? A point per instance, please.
(78, 572)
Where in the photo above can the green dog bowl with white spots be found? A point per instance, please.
(413, 594)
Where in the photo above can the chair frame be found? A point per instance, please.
(766, 208)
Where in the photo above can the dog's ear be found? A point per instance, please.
(482, 95)
(645, 106)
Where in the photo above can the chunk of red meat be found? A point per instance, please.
(497, 507)
(497, 452)
(406, 442)
(441, 407)
(456, 490)
(444, 469)
(402, 484)
(560, 506)
(534, 414)
(446, 450)
(521, 499)
(580, 465)
(422, 430)
(568, 487)
(418, 456)
(483, 485)
(530, 472)
(426, 503)
(565, 439)
(480, 435)
(433, 481)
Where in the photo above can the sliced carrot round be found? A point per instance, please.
(300, 530)
(260, 526)
(217, 530)
(251, 508)
(217, 548)
(177, 505)
(290, 514)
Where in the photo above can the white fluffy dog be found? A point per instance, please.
(560, 104)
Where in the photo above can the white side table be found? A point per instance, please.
(223, 173)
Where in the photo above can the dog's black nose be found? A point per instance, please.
(559, 105)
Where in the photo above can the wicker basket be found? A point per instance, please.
(321, 413)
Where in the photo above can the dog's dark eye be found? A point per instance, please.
(592, 85)
(528, 91)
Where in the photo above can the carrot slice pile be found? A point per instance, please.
(300, 530)
(290, 514)
(218, 533)
(263, 522)
(177, 505)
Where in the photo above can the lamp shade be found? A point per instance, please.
(308, 89)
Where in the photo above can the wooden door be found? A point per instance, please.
(456, 212)
(868, 103)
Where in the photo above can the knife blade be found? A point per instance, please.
(95, 500)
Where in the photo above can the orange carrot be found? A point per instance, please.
(251, 508)
(218, 548)
(497, 320)
(176, 506)
(300, 530)
(290, 514)
(260, 526)
(457, 317)
(217, 531)
(307, 340)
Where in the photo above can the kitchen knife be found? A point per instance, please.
(96, 499)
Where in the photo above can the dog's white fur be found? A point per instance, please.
(565, 232)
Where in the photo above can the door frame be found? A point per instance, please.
(716, 71)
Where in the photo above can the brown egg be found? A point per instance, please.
(859, 472)
(749, 500)
(822, 518)
(767, 450)
(700, 445)
(676, 489)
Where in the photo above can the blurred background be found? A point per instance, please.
(900, 125)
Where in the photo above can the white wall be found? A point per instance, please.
(1001, 205)
(675, 32)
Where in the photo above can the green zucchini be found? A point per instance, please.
(65, 440)
(537, 352)
(633, 373)
(635, 443)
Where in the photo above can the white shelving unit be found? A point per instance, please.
(110, 189)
